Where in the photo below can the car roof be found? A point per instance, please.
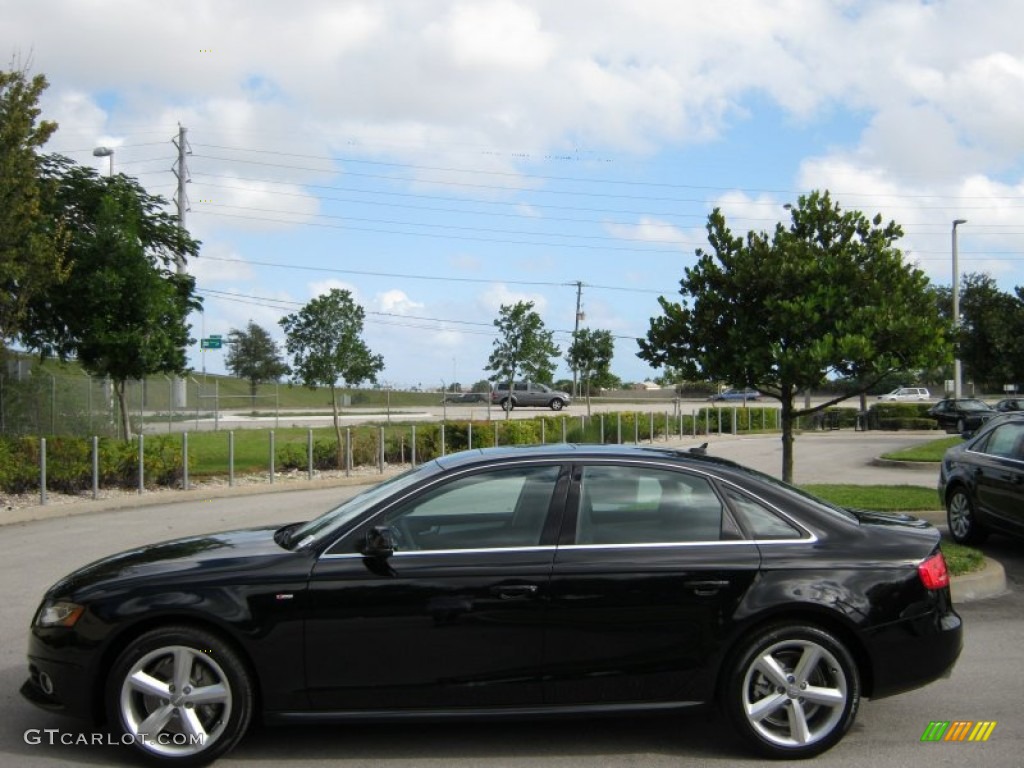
(583, 452)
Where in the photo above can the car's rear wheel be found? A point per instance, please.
(556, 405)
(963, 523)
(793, 691)
(179, 695)
(507, 404)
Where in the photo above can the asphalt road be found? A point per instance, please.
(986, 684)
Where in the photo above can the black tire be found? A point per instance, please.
(507, 404)
(556, 405)
(961, 519)
(775, 716)
(214, 708)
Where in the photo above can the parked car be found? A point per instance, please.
(466, 397)
(503, 582)
(1010, 404)
(907, 393)
(527, 394)
(963, 415)
(736, 394)
(981, 481)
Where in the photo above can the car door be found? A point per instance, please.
(649, 570)
(454, 617)
(998, 474)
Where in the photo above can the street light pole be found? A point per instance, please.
(105, 152)
(956, 312)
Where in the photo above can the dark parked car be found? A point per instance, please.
(506, 582)
(963, 415)
(466, 397)
(1009, 404)
(981, 481)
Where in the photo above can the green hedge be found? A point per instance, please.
(69, 463)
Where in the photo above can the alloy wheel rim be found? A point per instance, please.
(794, 693)
(175, 701)
(959, 515)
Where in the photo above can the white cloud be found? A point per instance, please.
(396, 302)
(493, 298)
(320, 287)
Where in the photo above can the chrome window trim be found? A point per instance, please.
(422, 552)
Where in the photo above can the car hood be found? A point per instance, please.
(193, 556)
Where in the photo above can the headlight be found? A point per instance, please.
(58, 613)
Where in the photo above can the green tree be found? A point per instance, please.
(123, 310)
(523, 346)
(590, 355)
(325, 341)
(31, 243)
(829, 296)
(253, 355)
(988, 339)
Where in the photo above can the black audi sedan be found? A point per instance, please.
(981, 481)
(961, 415)
(510, 582)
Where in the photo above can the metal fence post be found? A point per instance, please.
(348, 451)
(231, 458)
(651, 425)
(309, 452)
(142, 463)
(618, 429)
(442, 438)
(380, 437)
(636, 429)
(601, 418)
(271, 457)
(412, 455)
(42, 470)
(735, 416)
(184, 461)
(95, 467)
(495, 434)
(563, 429)
(469, 436)
(543, 431)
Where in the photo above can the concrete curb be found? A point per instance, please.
(926, 466)
(990, 581)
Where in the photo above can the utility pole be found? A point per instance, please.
(180, 170)
(575, 332)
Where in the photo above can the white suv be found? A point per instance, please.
(907, 393)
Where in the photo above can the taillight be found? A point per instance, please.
(933, 572)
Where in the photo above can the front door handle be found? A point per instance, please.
(514, 591)
(706, 588)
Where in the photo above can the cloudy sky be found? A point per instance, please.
(441, 158)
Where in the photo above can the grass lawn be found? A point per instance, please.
(883, 498)
(932, 451)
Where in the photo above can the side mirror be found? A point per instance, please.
(380, 541)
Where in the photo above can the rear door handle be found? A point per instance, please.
(514, 591)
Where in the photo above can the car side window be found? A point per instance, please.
(498, 508)
(642, 505)
(1005, 441)
(763, 523)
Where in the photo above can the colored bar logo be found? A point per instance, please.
(958, 730)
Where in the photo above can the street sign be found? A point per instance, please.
(216, 336)
(214, 342)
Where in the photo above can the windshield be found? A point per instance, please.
(349, 510)
(973, 405)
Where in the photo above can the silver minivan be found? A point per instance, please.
(907, 393)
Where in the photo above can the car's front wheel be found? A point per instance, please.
(793, 691)
(179, 695)
(556, 405)
(963, 523)
(507, 404)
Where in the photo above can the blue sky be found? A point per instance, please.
(442, 158)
